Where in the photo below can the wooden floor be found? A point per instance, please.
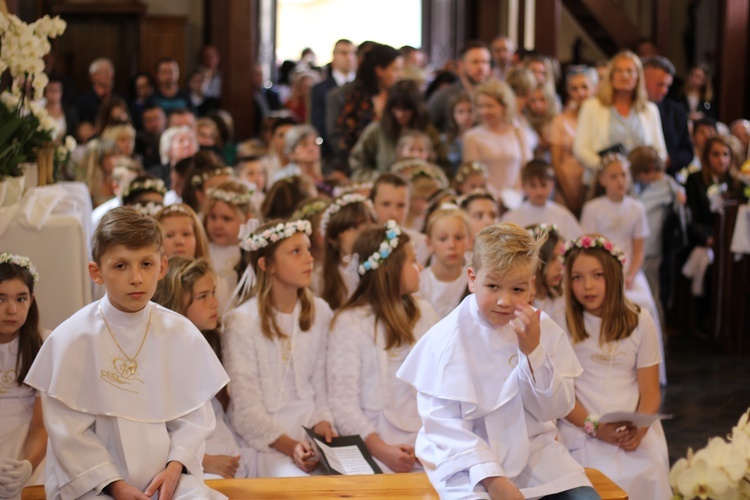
(390, 486)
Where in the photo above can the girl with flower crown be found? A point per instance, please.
(548, 292)
(470, 177)
(622, 219)
(370, 337)
(205, 172)
(340, 224)
(274, 350)
(183, 232)
(23, 439)
(617, 345)
(228, 207)
(145, 193)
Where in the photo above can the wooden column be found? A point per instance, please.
(547, 26)
(733, 41)
(487, 20)
(660, 27)
(232, 25)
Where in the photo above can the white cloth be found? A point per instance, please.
(609, 383)
(485, 413)
(592, 134)
(273, 396)
(101, 210)
(443, 296)
(550, 213)
(364, 394)
(172, 198)
(223, 260)
(695, 268)
(100, 417)
(223, 442)
(554, 307)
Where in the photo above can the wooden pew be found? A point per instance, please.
(390, 486)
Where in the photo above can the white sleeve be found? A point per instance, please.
(187, 438)
(448, 444)
(641, 229)
(319, 379)
(248, 415)
(82, 461)
(344, 376)
(546, 394)
(582, 148)
(648, 350)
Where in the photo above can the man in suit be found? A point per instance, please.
(658, 75)
(102, 76)
(341, 70)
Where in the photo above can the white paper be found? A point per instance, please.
(637, 419)
(345, 459)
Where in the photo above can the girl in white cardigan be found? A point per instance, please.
(274, 351)
(370, 337)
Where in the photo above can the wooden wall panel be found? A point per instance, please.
(163, 36)
(733, 47)
(547, 26)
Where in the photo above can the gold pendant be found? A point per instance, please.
(123, 374)
(7, 380)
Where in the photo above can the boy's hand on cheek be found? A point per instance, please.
(526, 326)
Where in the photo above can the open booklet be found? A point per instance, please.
(637, 419)
(344, 454)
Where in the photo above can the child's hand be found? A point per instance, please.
(398, 457)
(304, 457)
(165, 482)
(527, 327)
(223, 465)
(613, 433)
(501, 488)
(120, 490)
(633, 438)
(323, 428)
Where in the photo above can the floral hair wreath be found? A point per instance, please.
(475, 194)
(540, 230)
(176, 208)
(466, 169)
(614, 158)
(231, 197)
(340, 203)
(587, 242)
(20, 261)
(150, 208)
(310, 209)
(155, 185)
(253, 241)
(387, 246)
(200, 179)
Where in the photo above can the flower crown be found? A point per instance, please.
(338, 204)
(176, 208)
(256, 241)
(20, 261)
(540, 230)
(352, 188)
(200, 179)
(472, 195)
(231, 197)
(587, 242)
(311, 209)
(614, 158)
(150, 208)
(155, 185)
(466, 169)
(387, 246)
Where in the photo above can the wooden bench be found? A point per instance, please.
(391, 486)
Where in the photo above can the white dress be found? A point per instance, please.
(223, 260)
(278, 385)
(609, 383)
(550, 213)
(621, 222)
(554, 307)
(485, 414)
(106, 422)
(443, 296)
(16, 410)
(222, 441)
(364, 393)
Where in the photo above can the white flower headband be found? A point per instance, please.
(155, 185)
(476, 194)
(150, 208)
(466, 169)
(176, 208)
(387, 246)
(310, 209)
(338, 204)
(540, 230)
(200, 179)
(352, 188)
(251, 241)
(20, 261)
(231, 197)
(587, 242)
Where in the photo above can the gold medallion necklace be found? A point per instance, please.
(130, 366)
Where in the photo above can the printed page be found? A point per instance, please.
(345, 459)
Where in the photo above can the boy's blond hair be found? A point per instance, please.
(504, 246)
(125, 226)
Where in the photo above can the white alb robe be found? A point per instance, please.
(105, 423)
(485, 414)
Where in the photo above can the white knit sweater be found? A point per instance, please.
(256, 371)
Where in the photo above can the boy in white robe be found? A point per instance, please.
(491, 378)
(126, 385)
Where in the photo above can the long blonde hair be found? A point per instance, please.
(381, 289)
(183, 210)
(619, 315)
(264, 286)
(606, 93)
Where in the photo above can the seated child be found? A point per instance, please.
(548, 294)
(23, 439)
(183, 232)
(132, 419)
(537, 181)
(491, 379)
